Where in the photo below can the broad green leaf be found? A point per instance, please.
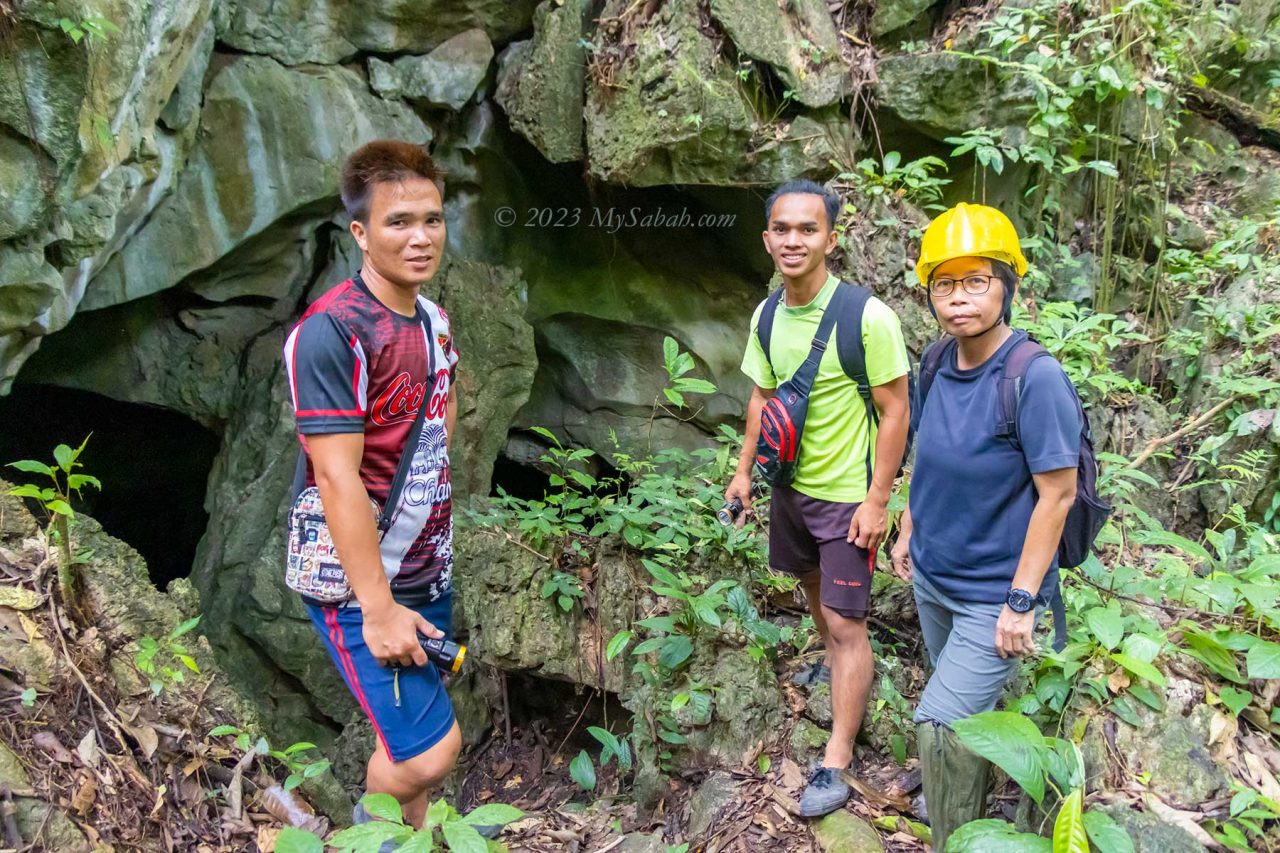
(61, 507)
(64, 456)
(1068, 830)
(1236, 700)
(1142, 647)
(1263, 660)
(995, 836)
(583, 772)
(678, 701)
(764, 763)
(1107, 625)
(670, 349)
(368, 836)
(617, 644)
(463, 838)
(300, 746)
(1211, 653)
(384, 807)
(1146, 696)
(661, 573)
(684, 363)
(650, 645)
(29, 491)
(31, 466)
(1011, 742)
(695, 386)
(185, 627)
(494, 814)
(675, 397)
(675, 652)
(1107, 835)
(1142, 669)
(419, 842)
(294, 840)
(79, 481)
(1173, 540)
(219, 731)
(1123, 708)
(666, 624)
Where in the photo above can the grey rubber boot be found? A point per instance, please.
(955, 781)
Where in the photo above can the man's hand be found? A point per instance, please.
(869, 523)
(740, 488)
(900, 557)
(391, 633)
(1013, 633)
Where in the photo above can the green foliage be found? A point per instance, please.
(89, 29)
(298, 766)
(890, 178)
(442, 829)
(1014, 744)
(163, 661)
(564, 588)
(56, 500)
(1084, 341)
(678, 364)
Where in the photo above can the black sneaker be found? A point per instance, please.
(825, 793)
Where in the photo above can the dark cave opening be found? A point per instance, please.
(153, 464)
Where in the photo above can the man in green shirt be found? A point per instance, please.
(826, 526)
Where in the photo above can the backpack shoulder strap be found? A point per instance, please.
(764, 326)
(931, 361)
(1009, 388)
(849, 347)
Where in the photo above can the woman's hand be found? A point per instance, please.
(900, 556)
(1013, 633)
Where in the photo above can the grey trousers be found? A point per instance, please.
(968, 673)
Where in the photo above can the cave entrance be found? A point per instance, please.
(153, 464)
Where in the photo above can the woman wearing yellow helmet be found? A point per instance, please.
(988, 499)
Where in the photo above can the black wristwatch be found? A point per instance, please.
(1021, 601)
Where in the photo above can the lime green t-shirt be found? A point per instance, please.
(837, 434)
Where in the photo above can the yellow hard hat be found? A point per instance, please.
(969, 231)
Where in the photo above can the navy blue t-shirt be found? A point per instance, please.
(971, 492)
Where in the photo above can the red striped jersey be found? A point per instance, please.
(355, 365)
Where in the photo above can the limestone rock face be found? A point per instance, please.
(798, 41)
(330, 31)
(446, 77)
(273, 143)
(675, 113)
(942, 94)
(83, 154)
(540, 83)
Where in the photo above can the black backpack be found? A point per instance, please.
(782, 422)
(1089, 511)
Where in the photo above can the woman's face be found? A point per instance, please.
(961, 313)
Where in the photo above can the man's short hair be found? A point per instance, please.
(830, 200)
(384, 161)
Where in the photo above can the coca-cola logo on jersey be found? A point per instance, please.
(401, 399)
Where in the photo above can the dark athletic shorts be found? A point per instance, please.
(806, 532)
(423, 715)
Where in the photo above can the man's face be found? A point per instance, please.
(799, 237)
(404, 237)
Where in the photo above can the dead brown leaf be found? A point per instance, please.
(267, 835)
(1118, 681)
(791, 776)
(83, 799)
(49, 742)
(1188, 821)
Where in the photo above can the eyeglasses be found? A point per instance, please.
(974, 285)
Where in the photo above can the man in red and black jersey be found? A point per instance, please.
(359, 371)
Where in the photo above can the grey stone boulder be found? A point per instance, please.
(445, 77)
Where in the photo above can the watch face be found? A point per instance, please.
(1019, 601)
